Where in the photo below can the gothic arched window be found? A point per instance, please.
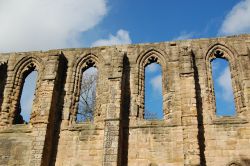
(87, 96)
(26, 96)
(225, 95)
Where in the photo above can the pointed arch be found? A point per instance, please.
(152, 54)
(28, 61)
(146, 57)
(228, 53)
(224, 51)
(82, 63)
(86, 60)
(21, 70)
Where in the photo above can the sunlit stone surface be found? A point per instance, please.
(190, 133)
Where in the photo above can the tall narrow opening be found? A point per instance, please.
(28, 89)
(87, 97)
(153, 92)
(222, 83)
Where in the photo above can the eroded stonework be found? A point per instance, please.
(190, 134)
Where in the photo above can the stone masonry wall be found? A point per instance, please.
(190, 134)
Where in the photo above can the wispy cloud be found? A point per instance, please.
(224, 81)
(184, 36)
(27, 107)
(121, 37)
(215, 66)
(47, 24)
(238, 19)
(156, 83)
(153, 67)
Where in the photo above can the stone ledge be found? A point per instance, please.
(84, 126)
(151, 124)
(18, 128)
(229, 120)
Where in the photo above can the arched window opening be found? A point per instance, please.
(224, 96)
(27, 96)
(153, 92)
(87, 97)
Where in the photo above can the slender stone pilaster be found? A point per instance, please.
(44, 114)
(191, 148)
(112, 140)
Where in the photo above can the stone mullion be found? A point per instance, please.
(112, 131)
(112, 126)
(141, 93)
(38, 144)
(69, 86)
(16, 97)
(4, 120)
(41, 130)
(189, 111)
(245, 92)
(7, 98)
(134, 92)
(189, 122)
(171, 103)
(111, 143)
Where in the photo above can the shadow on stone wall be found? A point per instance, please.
(3, 77)
(201, 137)
(125, 105)
(58, 102)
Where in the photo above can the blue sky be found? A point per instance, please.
(222, 82)
(28, 96)
(50, 24)
(161, 20)
(153, 92)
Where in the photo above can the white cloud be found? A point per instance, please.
(121, 37)
(28, 95)
(238, 19)
(184, 36)
(215, 65)
(224, 81)
(153, 67)
(47, 24)
(156, 83)
(27, 107)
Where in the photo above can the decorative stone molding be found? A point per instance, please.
(190, 134)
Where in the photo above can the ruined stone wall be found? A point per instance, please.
(190, 134)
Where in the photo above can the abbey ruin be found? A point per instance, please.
(190, 133)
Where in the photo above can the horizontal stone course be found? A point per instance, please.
(190, 133)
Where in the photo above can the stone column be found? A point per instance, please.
(189, 110)
(4, 112)
(43, 119)
(112, 140)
